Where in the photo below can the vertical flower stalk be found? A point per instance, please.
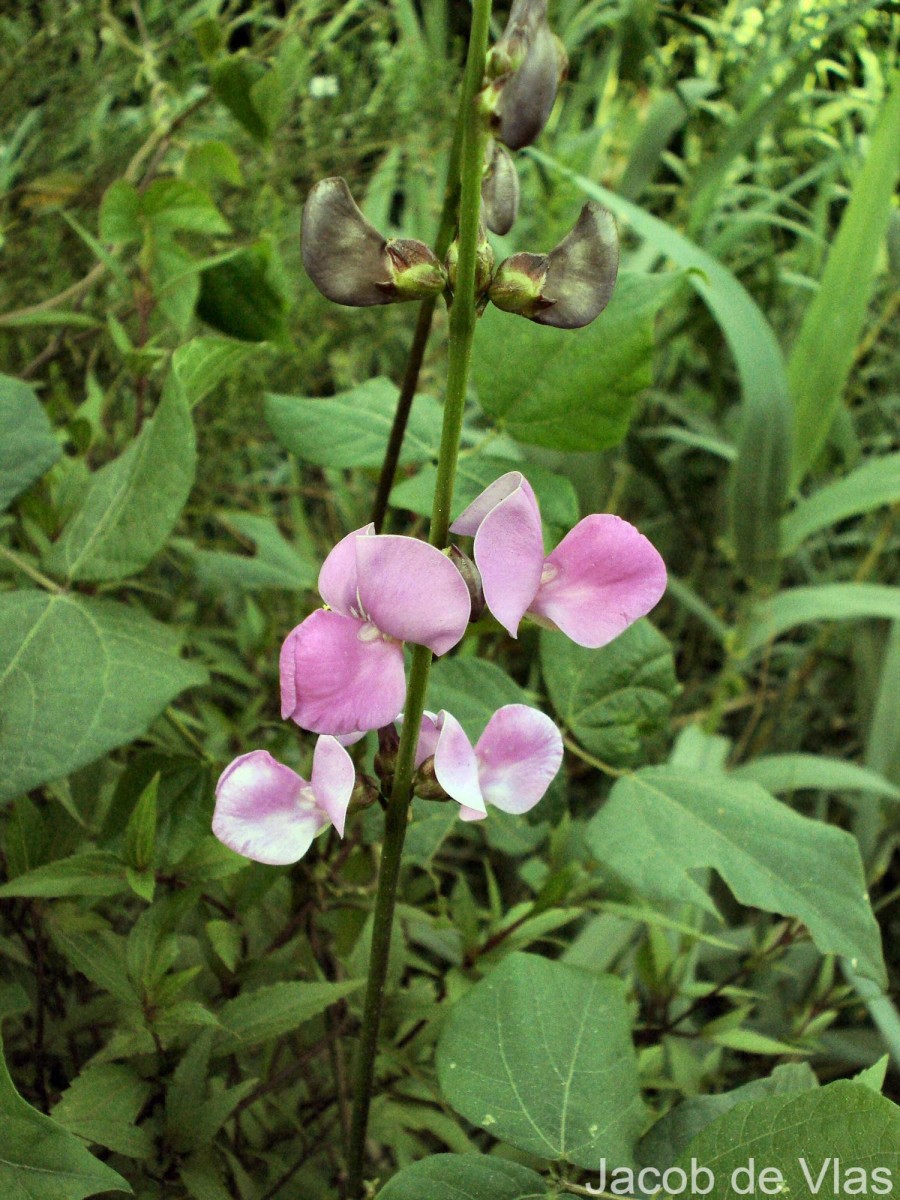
(461, 331)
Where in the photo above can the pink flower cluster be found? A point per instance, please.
(342, 669)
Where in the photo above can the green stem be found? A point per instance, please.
(410, 382)
(462, 328)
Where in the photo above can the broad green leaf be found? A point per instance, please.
(120, 213)
(92, 873)
(556, 494)
(760, 474)
(836, 1136)
(875, 483)
(539, 1054)
(465, 1177)
(78, 676)
(823, 351)
(133, 502)
(101, 1105)
(176, 205)
(232, 82)
(665, 1140)
(823, 602)
(212, 162)
(351, 429)
(610, 699)
(277, 562)
(472, 689)
(99, 955)
(39, 1160)
(237, 297)
(788, 772)
(27, 446)
(279, 1008)
(203, 363)
(662, 823)
(570, 389)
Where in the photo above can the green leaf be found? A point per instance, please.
(665, 1140)
(120, 213)
(472, 690)
(92, 873)
(790, 772)
(237, 298)
(760, 475)
(279, 1008)
(133, 502)
(351, 429)
(556, 494)
(102, 1104)
(875, 483)
(571, 389)
(824, 602)
(176, 205)
(39, 1160)
(232, 82)
(822, 357)
(99, 955)
(139, 845)
(612, 698)
(203, 363)
(276, 563)
(78, 676)
(539, 1054)
(844, 1127)
(663, 823)
(465, 1177)
(212, 162)
(28, 448)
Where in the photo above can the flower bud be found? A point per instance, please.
(365, 794)
(351, 263)
(571, 285)
(472, 577)
(526, 65)
(484, 263)
(386, 755)
(499, 189)
(425, 782)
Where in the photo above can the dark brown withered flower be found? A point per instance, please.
(570, 286)
(351, 263)
(527, 65)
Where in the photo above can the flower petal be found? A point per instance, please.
(333, 780)
(600, 579)
(338, 675)
(429, 732)
(471, 814)
(412, 592)
(455, 764)
(518, 754)
(509, 546)
(261, 813)
(337, 578)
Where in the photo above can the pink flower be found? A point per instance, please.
(342, 670)
(266, 812)
(600, 579)
(511, 765)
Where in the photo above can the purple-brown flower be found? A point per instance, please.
(602, 577)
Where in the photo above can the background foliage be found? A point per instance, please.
(186, 426)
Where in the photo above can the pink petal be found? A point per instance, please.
(600, 579)
(509, 553)
(470, 518)
(455, 764)
(262, 813)
(333, 780)
(428, 738)
(471, 814)
(339, 675)
(337, 578)
(412, 592)
(519, 754)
